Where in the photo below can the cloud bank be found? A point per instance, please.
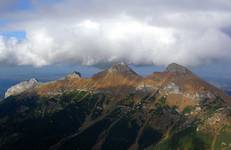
(137, 32)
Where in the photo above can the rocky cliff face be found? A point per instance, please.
(21, 87)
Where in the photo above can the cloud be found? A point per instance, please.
(100, 31)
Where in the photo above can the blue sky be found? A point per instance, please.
(21, 35)
(22, 5)
(15, 7)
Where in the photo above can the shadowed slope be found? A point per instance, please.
(117, 109)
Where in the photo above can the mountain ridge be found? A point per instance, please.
(122, 77)
(118, 110)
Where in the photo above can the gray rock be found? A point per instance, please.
(172, 88)
(21, 87)
(175, 68)
(145, 88)
(205, 95)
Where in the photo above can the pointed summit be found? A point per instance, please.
(121, 68)
(118, 69)
(176, 68)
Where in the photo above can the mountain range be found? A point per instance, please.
(117, 109)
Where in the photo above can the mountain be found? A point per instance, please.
(113, 80)
(117, 109)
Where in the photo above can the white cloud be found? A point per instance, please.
(143, 33)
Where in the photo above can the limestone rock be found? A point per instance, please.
(75, 74)
(21, 87)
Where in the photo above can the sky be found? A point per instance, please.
(47, 39)
(39, 33)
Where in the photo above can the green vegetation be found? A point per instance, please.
(224, 139)
(160, 106)
(121, 135)
(148, 98)
(149, 136)
(128, 100)
(42, 121)
(84, 120)
(188, 139)
(212, 106)
(188, 109)
(162, 101)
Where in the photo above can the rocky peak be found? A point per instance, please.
(117, 69)
(176, 68)
(121, 68)
(21, 87)
(74, 74)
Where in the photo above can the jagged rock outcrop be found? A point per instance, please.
(21, 87)
(73, 75)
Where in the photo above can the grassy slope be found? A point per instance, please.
(85, 120)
